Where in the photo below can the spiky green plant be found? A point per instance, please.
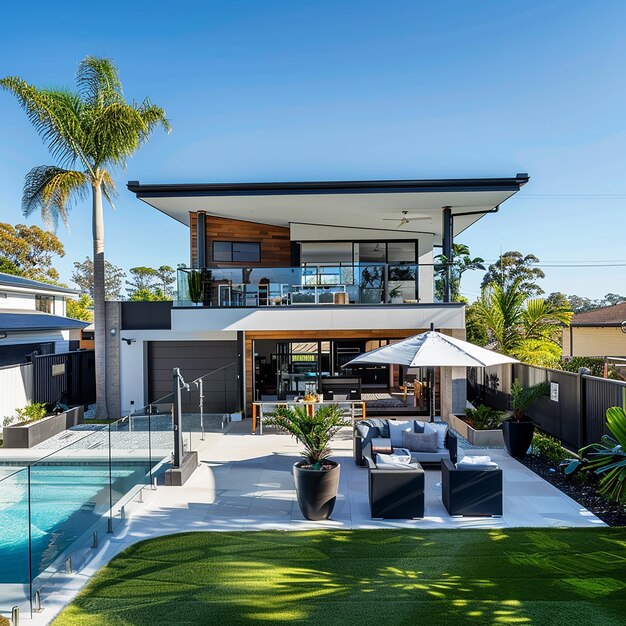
(607, 459)
(194, 282)
(313, 428)
(522, 398)
(89, 132)
(484, 417)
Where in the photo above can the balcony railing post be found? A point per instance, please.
(386, 283)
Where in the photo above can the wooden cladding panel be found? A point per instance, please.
(274, 240)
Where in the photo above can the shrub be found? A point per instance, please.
(595, 364)
(484, 417)
(549, 448)
(31, 412)
(607, 459)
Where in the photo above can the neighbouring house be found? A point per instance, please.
(599, 332)
(32, 319)
(287, 282)
(34, 329)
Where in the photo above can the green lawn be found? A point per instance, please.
(383, 577)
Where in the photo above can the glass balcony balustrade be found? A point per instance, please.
(306, 285)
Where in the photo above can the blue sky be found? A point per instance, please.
(266, 90)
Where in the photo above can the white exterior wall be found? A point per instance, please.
(301, 318)
(134, 362)
(22, 301)
(16, 389)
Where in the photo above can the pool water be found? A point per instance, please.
(65, 501)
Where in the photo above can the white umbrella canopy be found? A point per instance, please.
(432, 349)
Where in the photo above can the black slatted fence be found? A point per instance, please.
(68, 378)
(577, 416)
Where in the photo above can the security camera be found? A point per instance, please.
(128, 341)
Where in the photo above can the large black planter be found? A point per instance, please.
(517, 437)
(316, 490)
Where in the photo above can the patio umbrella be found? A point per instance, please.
(432, 349)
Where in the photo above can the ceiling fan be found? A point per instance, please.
(406, 220)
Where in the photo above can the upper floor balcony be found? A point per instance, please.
(323, 284)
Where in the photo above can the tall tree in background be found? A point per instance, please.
(89, 132)
(166, 276)
(142, 279)
(525, 328)
(515, 268)
(113, 278)
(150, 284)
(29, 251)
(460, 263)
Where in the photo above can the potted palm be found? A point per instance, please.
(316, 477)
(518, 428)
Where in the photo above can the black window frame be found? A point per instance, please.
(232, 258)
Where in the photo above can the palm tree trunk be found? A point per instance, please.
(99, 315)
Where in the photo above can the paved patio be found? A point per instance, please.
(245, 483)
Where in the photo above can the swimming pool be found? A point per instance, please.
(66, 499)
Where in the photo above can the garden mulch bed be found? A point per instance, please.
(582, 489)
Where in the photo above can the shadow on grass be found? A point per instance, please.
(517, 576)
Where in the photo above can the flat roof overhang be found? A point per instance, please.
(362, 204)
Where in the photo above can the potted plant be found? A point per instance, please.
(194, 282)
(518, 428)
(316, 477)
(396, 295)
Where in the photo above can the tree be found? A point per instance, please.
(511, 267)
(151, 284)
(475, 328)
(113, 277)
(143, 279)
(8, 267)
(612, 299)
(167, 277)
(148, 295)
(89, 132)
(525, 328)
(580, 304)
(29, 251)
(460, 263)
(81, 309)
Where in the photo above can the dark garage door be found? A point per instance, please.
(195, 359)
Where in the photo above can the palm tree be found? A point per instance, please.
(89, 133)
(524, 328)
(460, 263)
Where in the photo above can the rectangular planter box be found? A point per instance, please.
(29, 435)
(486, 438)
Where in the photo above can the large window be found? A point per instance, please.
(45, 304)
(237, 251)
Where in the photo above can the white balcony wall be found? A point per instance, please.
(332, 318)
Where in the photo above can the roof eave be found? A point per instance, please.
(334, 187)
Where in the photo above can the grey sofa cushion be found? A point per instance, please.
(363, 427)
(420, 442)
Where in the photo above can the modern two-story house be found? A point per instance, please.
(287, 282)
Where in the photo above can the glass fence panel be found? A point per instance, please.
(69, 493)
(14, 554)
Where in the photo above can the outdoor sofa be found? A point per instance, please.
(375, 428)
(394, 491)
(471, 491)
